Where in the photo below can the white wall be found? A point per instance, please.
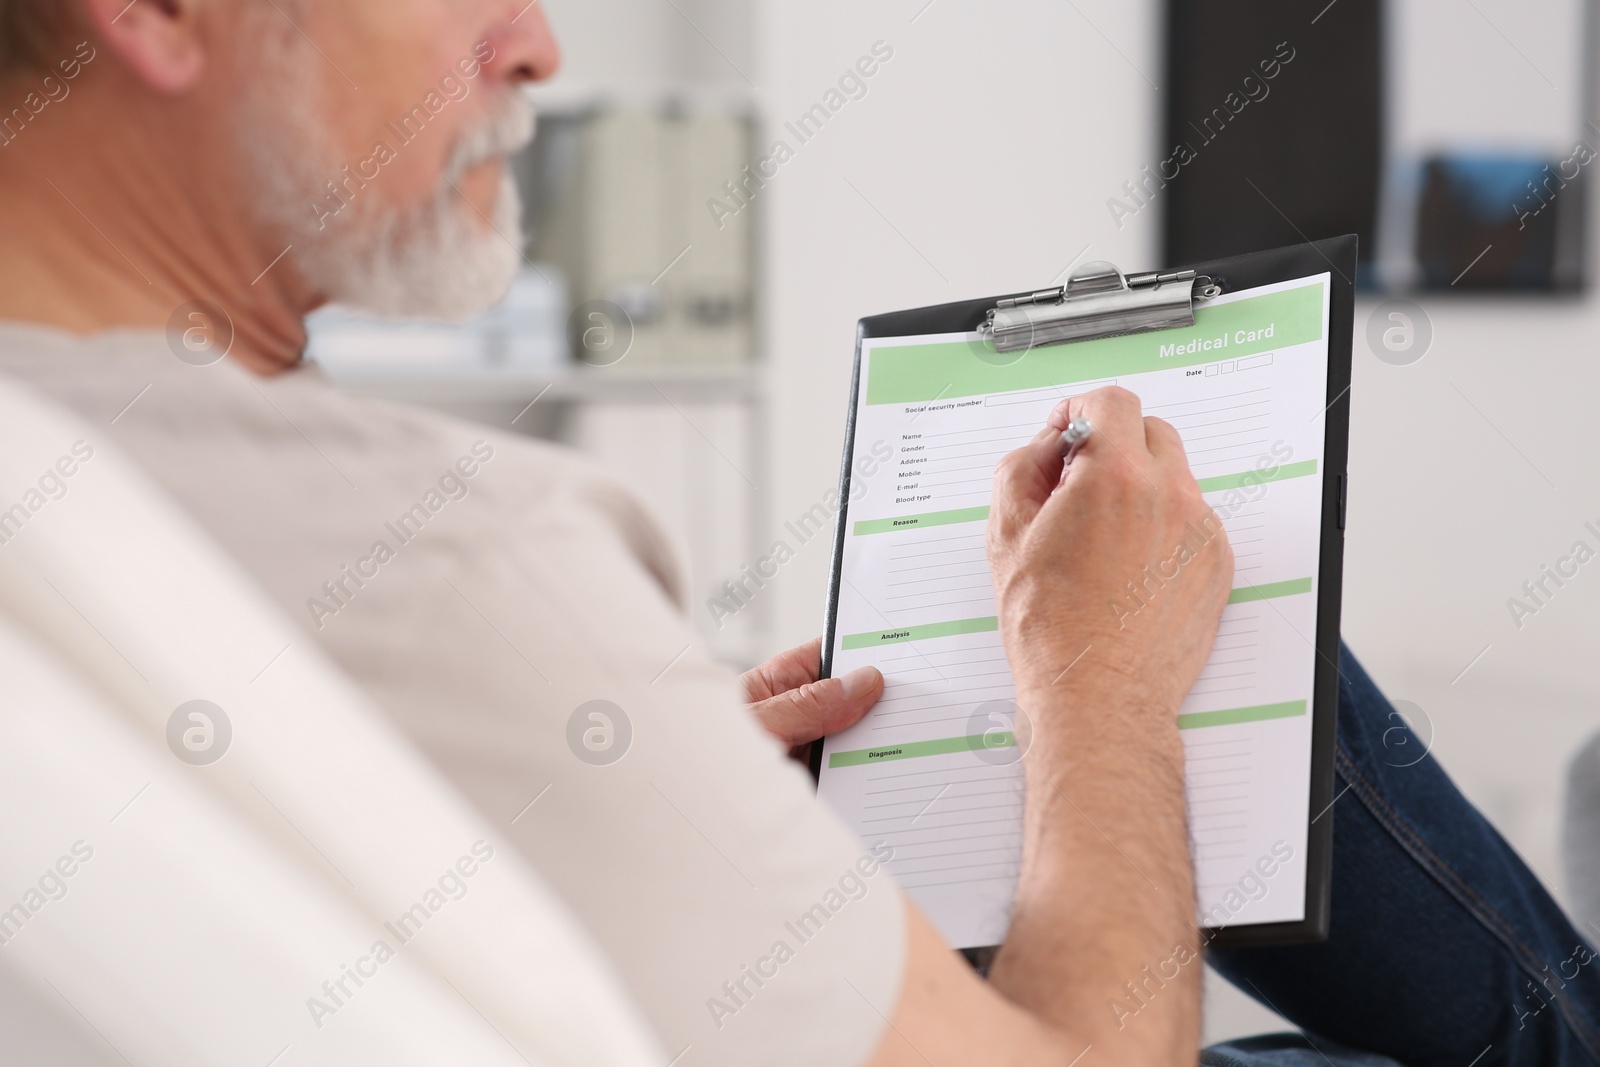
(635, 49)
(980, 161)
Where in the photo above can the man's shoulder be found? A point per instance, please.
(236, 448)
(545, 481)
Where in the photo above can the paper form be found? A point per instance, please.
(933, 770)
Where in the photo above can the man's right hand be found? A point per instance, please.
(1115, 575)
(1105, 896)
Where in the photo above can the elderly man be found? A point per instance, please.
(184, 180)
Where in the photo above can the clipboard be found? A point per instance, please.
(1100, 302)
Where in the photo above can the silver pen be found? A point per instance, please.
(1073, 437)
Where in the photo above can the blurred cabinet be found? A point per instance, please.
(629, 203)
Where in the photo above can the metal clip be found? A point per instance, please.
(1097, 301)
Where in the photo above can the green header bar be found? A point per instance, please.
(916, 522)
(1271, 591)
(921, 633)
(944, 746)
(1261, 477)
(909, 373)
(1229, 716)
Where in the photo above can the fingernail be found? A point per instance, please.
(859, 681)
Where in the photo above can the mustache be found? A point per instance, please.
(507, 131)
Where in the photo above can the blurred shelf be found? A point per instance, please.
(563, 98)
(575, 385)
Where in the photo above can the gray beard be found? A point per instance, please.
(440, 259)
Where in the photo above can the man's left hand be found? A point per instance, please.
(795, 707)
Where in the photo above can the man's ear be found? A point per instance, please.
(159, 41)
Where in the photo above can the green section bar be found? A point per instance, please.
(908, 373)
(917, 522)
(1228, 716)
(942, 747)
(921, 633)
(1261, 477)
(1271, 591)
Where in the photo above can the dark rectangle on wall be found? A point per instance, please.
(1273, 126)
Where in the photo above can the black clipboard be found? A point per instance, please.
(1335, 257)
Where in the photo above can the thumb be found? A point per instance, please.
(820, 708)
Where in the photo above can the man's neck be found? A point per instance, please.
(84, 252)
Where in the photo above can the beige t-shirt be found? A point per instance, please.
(487, 590)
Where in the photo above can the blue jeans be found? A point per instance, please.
(1444, 950)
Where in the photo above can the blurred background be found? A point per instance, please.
(720, 188)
